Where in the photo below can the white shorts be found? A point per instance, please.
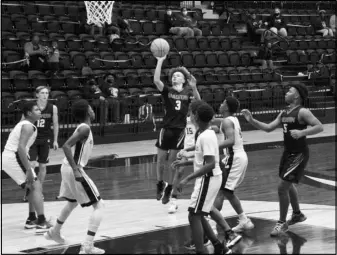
(85, 193)
(204, 193)
(234, 170)
(12, 165)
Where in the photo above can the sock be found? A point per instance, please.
(58, 225)
(280, 221)
(32, 216)
(243, 217)
(41, 218)
(297, 213)
(94, 222)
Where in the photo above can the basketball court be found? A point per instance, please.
(135, 222)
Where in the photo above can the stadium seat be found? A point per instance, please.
(6, 23)
(244, 74)
(211, 59)
(209, 74)
(203, 43)
(57, 83)
(131, 77)
(136, 27)
(65, 60)
(74, 43)
(122, 56)
(174, 59)
(225, 43)
(148, 28)
(187, 59)
(199, 59)
(62, 102)
(11, 56)
(88, 42)
(7, 105)
(72, 79)
(223, 58)
(149, 60)
(292, 57)
(58, 8)
(91, 56)
(221, 75)
(160, 27)
(137, 59)
(6, 85)
(78, 59)
(216, 29)
(37, 78)
(214, 43)
(192, 43)
(102, 43)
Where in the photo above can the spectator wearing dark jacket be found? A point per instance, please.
(321, 26)
(255, 28)
(169, 20)
(116, 102)
(36, 53)
(186, 20)
(276, 24)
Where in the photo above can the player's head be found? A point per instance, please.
(230, 105)
(42, 93)
(31, 111)
(178, 77)
(204, 115)
(297, 93)
(81, 110)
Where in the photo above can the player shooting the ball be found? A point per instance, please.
(171, 137)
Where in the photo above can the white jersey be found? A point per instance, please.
(207, 145)
(190, 132)
(14, 137)
(238, 143)
(82, 149)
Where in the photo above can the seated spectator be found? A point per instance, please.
(182, 31)
(96, 97)
(169, 20)
(275, 23)
(264, 56)
(333, 23)
(36, 53)
(187, 21)
(116, 103)
(255, 29)
(53, 58)
(119, 26)
(320, 25)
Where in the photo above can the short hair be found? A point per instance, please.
(233, 104)
(39, 88)
(183, 8)
(194, 105)
(28, 107)
(80, 109)
(205, 113)
(182, 70)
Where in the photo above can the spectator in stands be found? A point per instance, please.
(321, 25)
(188, 21)
(116, 103)
(36, 53)
(119, 26)
(94, 93)
(169, 20)
(333, 23)
(265, 55)
(255, 28)
(275, 23)
(53, 59)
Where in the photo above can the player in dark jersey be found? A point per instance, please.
(39, 151)
(294, 121)
(171, 137)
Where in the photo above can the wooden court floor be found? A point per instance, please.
(135, 222)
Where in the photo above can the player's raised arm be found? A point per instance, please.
(157, 72)
(81, 134)
(192, 81)
(55, 127)
(260, 125)
(228, 129)
(26, 132)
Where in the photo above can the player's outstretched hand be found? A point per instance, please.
(247, 114)
(192, 81)
(161, 58)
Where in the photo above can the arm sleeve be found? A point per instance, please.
(209, 145)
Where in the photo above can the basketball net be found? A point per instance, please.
(99, 12)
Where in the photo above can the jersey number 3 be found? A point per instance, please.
(178, 105)
(40, 123)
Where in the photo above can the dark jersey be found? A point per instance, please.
(176, 106)
(290, 122)
(44, 124)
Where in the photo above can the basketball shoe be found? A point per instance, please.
(243, 225)
(167, 194)
(89, 248)
(232, 238)
(173, 207)
(43, 227)
(56, 236)
(221, 248)
(296, 218)
(279, 229)
(30, 224)
(161, 186)
(189, 245)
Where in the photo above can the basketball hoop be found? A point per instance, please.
(99, 12)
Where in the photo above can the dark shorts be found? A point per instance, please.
(171, 139)
(292, 165)
(39, 151)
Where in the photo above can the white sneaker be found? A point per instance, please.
(89, 248)
(56, 236)
(173, 207)
(243, 225)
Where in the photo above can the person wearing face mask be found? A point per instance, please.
(36, 53)
(171, 137)
(276, 24)
(116, 103)
(188, 21)
(321, 25)
(255, 28)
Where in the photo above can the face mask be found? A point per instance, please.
(111, 80)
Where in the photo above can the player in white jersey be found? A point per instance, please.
(189, 141)
(208, 179)
(76, 186)
(15, 163)
(234, 163)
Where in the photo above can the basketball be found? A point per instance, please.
(160, 47)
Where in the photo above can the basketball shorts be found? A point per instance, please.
(171, 139)
(233, 168)
(204, 193)
(13, 166)
(85, 193)
(292, 165)
(39, 151)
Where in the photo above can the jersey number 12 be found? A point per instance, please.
(40, 123)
